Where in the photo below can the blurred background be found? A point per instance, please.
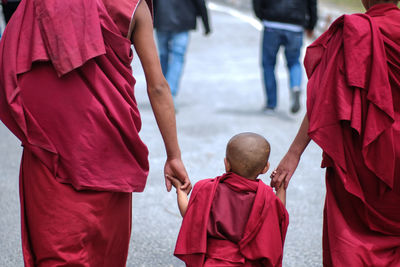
(354, 5)
(349, 5)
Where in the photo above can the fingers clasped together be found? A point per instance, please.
(279, 178)
(176, 175)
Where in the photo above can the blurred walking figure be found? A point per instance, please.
(9, 7)
(173, 19)
(284, 23)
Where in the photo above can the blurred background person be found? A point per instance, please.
(9, 7)
(173, 19)
(284, 23)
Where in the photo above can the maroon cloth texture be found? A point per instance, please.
(64, 227)
(354, 115)
(66, 91)
(210, 235)
(228, 200)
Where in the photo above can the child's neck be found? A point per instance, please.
(253, 178)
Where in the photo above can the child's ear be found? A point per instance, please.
(266, 168)
(227, 165)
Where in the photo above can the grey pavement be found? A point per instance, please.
(221, 95)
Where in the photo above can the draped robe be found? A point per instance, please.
(66, 91)
(353, 107)
(232, 221)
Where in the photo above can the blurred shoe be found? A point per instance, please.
(269, 111)
(295, 99)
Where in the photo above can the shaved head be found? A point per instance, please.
(247, 154)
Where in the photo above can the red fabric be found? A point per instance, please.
(262, 238)
(224, 222)
(66, 91)
(354, 114)
(64, 227)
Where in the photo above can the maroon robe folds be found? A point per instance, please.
(232, 221)
(66, 91)
(83, 124)
(354, 114)
(65, 227)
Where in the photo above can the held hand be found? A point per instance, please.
(283, 173)
(175, 182)
(175, 168)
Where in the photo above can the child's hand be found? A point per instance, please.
(175, 168)
(182, 194)
(176, 183)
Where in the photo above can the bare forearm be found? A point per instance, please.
(163, 108)
(159, 94)
(287, 166)
(281, 194)
(157, 87)
(301, 140)
(182, 202)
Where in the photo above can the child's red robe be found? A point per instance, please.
(232, 221)
(353, 108)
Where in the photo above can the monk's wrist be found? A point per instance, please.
(295, 151)
(175, 154)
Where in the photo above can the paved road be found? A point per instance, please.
(221, 95)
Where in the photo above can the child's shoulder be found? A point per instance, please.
(204, 185)
(270, 194)
(203, 182)
(267, 187)
(207, 181)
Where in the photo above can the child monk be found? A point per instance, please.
(234, 219)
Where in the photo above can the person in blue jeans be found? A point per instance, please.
(173, 19)
(284, 23)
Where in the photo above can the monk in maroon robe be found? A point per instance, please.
(234, 219)
(353, 114)
(66, 91)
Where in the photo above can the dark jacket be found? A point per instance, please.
(299, 12)
(179, 15)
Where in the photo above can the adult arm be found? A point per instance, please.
(159, 94)
(202, 11)
(287, 166)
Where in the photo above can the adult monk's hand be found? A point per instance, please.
(283, 173)
(175, 168)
